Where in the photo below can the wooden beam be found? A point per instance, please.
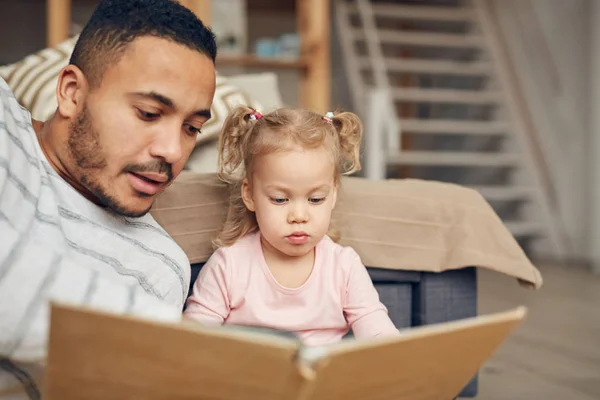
(313, 26)
(58, 21)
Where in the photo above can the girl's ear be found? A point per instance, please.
(247, 195)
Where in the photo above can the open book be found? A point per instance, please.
(93, 355)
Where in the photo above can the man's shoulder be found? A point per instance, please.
(149, 230)
(4, 85)
(7, 96)
(10, 109)
(18, 152)
(149, 238)
(148, 221)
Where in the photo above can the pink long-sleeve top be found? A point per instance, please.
(236, 287)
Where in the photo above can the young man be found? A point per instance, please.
(75, 191)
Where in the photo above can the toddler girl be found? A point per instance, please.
(275, 265)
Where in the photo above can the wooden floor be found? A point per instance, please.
(555, 353)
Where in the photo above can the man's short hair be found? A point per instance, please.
(116, 23)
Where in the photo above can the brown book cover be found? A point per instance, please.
(94, 355)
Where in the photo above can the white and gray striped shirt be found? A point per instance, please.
(57, 245)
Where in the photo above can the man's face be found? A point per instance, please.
(136, 131)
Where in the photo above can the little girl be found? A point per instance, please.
(275, 265)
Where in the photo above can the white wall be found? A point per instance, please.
(549, 43)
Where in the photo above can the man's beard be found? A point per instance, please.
(86, 151)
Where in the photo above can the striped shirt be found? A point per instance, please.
(57, 245)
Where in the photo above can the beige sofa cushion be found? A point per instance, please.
(394, 224)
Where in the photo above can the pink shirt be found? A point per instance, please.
(236, 287)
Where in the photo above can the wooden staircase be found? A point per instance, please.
(440, 71)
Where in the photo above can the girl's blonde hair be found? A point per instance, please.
(244, 137)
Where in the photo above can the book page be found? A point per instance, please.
(101, 356)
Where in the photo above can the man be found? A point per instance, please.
(75, 191)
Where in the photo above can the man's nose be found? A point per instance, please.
(167, 144)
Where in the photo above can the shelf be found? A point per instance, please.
(258, 62)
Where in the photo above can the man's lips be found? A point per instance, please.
(148, 183)
(153, 176)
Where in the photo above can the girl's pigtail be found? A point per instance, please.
(233, 141)
(350, 130)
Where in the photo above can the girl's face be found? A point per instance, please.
(292, 194)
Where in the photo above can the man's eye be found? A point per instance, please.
(316, 200)
(147, 116)
(192, 130)
(278, 201)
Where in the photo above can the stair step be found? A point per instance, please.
(454, 127)
(446, 96)
(424, 39)
(504, 193)
(441, 67)
(454, 159)
(521, 229)
(423, 12)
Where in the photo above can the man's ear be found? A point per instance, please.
(71, 91)
(247, 195)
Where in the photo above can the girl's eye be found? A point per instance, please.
(147, 116)
(316, 200)
(278, 201)
(192, 130)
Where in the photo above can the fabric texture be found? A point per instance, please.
(236, 287)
